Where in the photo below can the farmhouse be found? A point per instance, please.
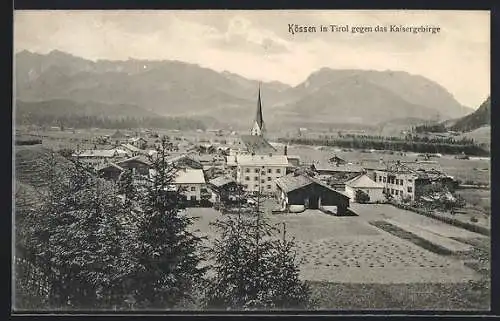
(110, 171)
(184, 161)
(401, 181)
(138, 142)
(373, 189)
(139, 165)
(191, 182)
(336, 175)
(299, 189)
(224, 187)
(99, 157)
(258, 172)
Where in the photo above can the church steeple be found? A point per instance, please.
(258, 128)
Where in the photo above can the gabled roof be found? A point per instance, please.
(100, 153)
(363, 181)
(293, 182)
(139, 158)
(257, 144)
(108, 165)
(190, 176)
(221, 181)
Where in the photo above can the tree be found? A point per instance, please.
(253, 268)
(361, 197)
(167, 251)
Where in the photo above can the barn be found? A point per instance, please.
(301, 189)
(138, 164)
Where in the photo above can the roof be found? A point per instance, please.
(257, 144)
(293, 182)
(422, 170)
(261, 160)
(327, 167)
(131, 148)
(99, 153)
(363, 181)
(221, 181)
(140, 158)
(108, 165)
(259, 119)
(190, 176)
(136, 139)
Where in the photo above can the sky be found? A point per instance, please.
(259, 45)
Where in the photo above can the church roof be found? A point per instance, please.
(257, 144)
(258, 117)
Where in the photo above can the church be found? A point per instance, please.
(258, 165)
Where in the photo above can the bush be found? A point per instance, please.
(361, 197)
(473, 219)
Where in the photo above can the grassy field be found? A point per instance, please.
(353, 265)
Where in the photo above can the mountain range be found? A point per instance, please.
(174, 88)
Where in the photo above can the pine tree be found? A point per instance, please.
(167, 252)
(253, 268)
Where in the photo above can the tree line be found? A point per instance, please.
(85, 243)
(419, 145)
(88, 121)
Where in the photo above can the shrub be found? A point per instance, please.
(361, 197)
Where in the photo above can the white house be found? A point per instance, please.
(258, 172)
(191, 181)
(364, 183)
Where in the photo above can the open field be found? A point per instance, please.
(353, 265)
(350, 250)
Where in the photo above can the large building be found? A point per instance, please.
(258, 172)
(300, 189)
(401, 181)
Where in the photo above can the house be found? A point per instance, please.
(373, 189)
(406, 181)
(184, 161)
(110, 171)
(254, 144)
(336, 175)
(131, 149)
(98, 157)
(191, 183)
(299, 189)
(139, 165)
(337, 160)
(258, 172)
(138, 142)
(225, 189)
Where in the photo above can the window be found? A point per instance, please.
(262, 180)
(380, 178)
(410, 189)
(247, 178)
(392, 191)
(269, 171)
(257, 171)
(384, 179)
(256, 178)
(269, 179)
(268, 186)
(193, 198)
(278, 171)
(397, 181)
(247, 170)
(193, 188)
(400, 182)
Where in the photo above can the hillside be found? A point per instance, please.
(479, 118)
(173, 88)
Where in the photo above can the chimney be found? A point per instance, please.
(285, 152)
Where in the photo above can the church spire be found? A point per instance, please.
(258, 127)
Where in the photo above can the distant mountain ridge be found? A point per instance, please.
(174, 88)
(479, 118)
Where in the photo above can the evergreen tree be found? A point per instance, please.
(167, 251)
(254, 269)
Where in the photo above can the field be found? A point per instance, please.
(343, 254)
